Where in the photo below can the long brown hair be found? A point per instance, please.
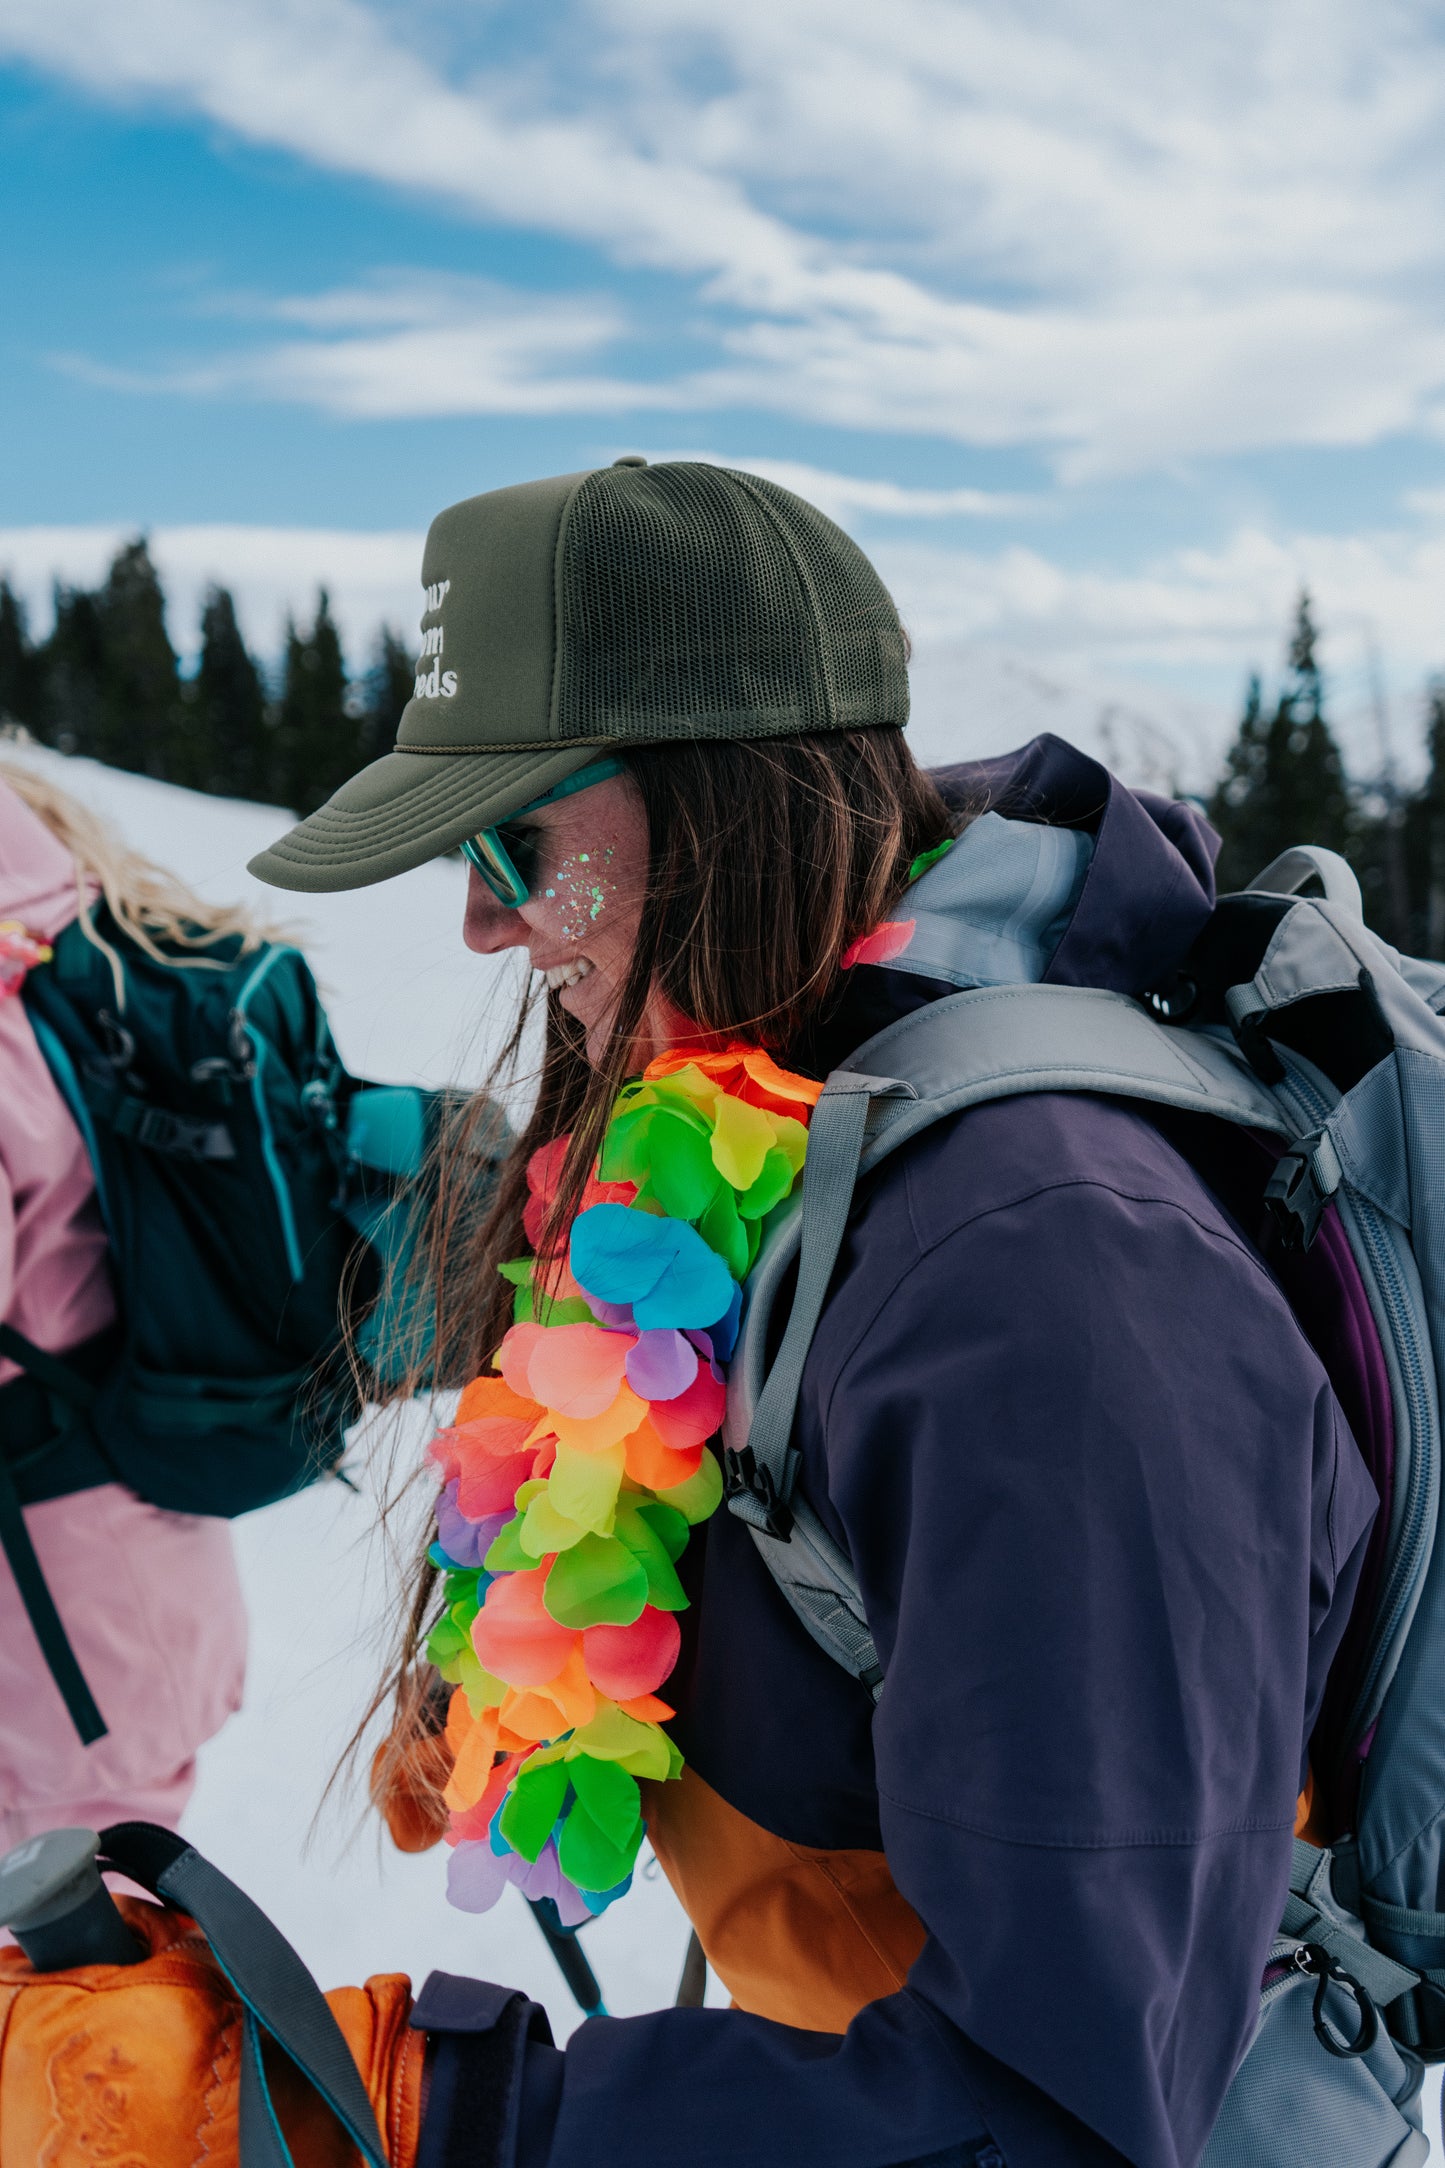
(767, 858)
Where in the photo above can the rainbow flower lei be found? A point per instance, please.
(572, 1480)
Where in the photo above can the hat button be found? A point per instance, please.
(630, 459)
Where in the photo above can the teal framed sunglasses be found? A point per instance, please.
(506, 856)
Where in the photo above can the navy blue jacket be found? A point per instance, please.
(1108, 1519)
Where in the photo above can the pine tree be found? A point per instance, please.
(141, 721)
(1284, 780)
(72, 675)
(315, 734)
(385, 691)
(19, 673)
(229, 745)
(1425, 837)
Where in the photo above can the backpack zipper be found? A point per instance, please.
(1402, 1573)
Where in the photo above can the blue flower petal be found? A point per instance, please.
(661, 1266)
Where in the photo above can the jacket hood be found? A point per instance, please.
(1148, 890)
(1063, 875)
(37, 873)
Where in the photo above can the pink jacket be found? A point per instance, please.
(149, 1599)
(54, 1281)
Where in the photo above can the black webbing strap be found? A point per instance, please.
(51, 1371)
(67, 1385)
(278, 1993)
(43, 1616)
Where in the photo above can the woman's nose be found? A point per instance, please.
(488, 924)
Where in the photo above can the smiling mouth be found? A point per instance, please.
(568, 974)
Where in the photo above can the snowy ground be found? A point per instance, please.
(408, 1003)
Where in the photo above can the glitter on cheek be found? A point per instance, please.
(582, 896)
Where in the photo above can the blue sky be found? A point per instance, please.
(1101, 329)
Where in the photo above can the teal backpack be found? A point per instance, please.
(1293, 1021)
(256, 1197)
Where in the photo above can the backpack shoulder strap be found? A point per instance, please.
(985, 1043)
(278, 1994)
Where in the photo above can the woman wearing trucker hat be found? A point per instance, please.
(1105, 1515)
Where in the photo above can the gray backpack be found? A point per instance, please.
(1300, 1023)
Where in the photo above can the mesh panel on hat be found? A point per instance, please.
(699, 602)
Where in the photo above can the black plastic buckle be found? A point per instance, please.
(1253, 1042)
(1316, 1963)
(742, 1477)
(1293, 1196)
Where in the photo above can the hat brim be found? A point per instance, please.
(408, 807)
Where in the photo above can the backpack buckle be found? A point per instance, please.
(752, 1494)
(1304, 1180)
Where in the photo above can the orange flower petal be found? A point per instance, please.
(647, 1709)
(545, 1712)
(472, 1770)
(491, 1395)
(473, 1822)
(593, 1434)
(657, 1465)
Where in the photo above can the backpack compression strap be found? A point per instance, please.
(279, 1994)
(68, 1386)
(986, 1043)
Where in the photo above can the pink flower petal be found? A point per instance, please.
(576, 1369)
(625, 1661)
(693, 1416)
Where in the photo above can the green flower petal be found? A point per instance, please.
(598, 1582)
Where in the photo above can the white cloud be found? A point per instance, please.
(845, 497)
(412, 346)
(1186, 609)
(1130, 237)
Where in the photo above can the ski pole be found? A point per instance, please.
(571, 1958)
(60, 1912)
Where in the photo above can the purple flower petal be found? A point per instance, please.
(465, 1542)
(662, 1364)
(475, 1877)
(572, 1905)
(617, 1316)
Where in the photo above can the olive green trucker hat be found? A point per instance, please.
(630, 605)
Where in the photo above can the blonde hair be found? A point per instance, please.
(149, 904)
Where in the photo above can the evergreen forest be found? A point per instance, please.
(107, 682)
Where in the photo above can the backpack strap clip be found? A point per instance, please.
(753, 1495)
(1312, 1959)
(1305, 1178)
(177, 1134)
